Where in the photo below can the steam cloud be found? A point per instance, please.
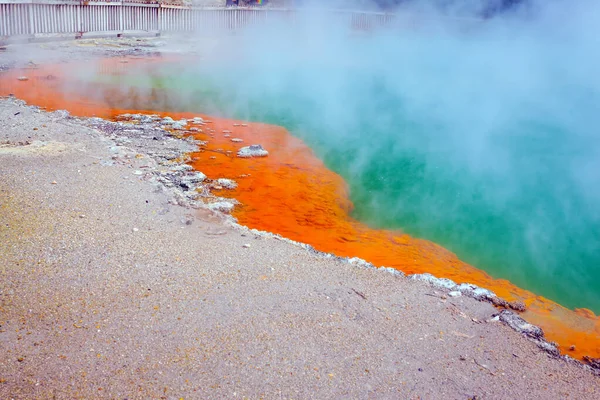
(479, 134)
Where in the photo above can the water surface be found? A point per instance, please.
(499, 167)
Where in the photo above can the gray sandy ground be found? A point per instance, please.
(109, 291)
(20, 54)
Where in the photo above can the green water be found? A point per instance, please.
(500, 167)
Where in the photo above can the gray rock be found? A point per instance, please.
(520, 325)
(476, 292)
(255, 150)
(187, 219)
(517, 306)
(179, 125)
(438, 282)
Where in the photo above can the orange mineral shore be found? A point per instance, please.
(292, 193)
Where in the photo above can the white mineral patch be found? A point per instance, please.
(179, 125)
(237, 140)
(136, 116)
(195, 177)
(223, 206)
(392, 271)
(146, 119)
(183, 167)
(255, 150)
(227, 183)
(475, 291)
(359, 262)
(439, 282)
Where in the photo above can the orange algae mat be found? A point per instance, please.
(292, 193)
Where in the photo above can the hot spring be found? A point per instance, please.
(488, 147)
(482, 140)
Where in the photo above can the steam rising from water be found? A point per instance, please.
(479, 135)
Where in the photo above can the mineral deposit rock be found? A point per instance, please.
(255, 150)
(227, 183)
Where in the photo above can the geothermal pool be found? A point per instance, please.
(471, 156)
(508, 184)
(378, 182)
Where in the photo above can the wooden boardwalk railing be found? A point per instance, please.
(33, 18)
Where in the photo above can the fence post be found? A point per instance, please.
(158, 18)
(121, 26)
(30, 14)
(78, 22)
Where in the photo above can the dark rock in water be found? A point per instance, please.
(517, 305)
(255, 150)
(499, 302)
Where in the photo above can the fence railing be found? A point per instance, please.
(31, 18)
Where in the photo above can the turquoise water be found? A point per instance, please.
(487, 146)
